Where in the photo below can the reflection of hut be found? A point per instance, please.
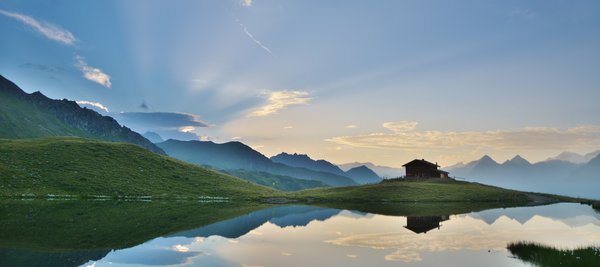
(420, 168)
(422, 224)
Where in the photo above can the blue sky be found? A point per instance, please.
(379, 81)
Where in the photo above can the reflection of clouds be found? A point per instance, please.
(255, 232)
(469, 234)
(180, 248)
(353, 256)
(408, 245)
(405, 256)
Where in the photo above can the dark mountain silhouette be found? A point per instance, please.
(550, 176)
(33, 115)
(381, 171)
(282, 216)
(363, 175)
(304, 161)
(153, 137)
(360, 174)
(236, 155)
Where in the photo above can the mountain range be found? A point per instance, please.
(153, 137)
(360, 174)
(236, 155)
(550, 176)
(24, 115)
(575, 157)
(381, 171)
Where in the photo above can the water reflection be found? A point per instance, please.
(422, 224)
(314, 236)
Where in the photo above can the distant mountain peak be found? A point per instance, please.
(363, 175)
(487, 158)
(153, 137)
(304, 161)
(519, 159)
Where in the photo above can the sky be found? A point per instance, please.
(368, 81)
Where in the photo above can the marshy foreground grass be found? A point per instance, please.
(547, 256)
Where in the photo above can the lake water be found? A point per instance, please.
(236, 235)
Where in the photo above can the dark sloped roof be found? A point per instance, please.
(421, 162)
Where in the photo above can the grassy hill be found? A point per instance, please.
(88, 168)
(75, 166)
(434, 190)
(34, 115)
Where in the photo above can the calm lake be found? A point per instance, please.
(106, 233)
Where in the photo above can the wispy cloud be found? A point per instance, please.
(51, 31)
(93, 74)
(401, 126)
(93, 104)
(404, 136)
(246, 2)
(279, 100)
(351, 126)
(254, 39)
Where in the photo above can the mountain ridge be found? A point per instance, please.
(34, 115)
(236, 155)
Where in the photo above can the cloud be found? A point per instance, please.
(181, 248)
(246, 2)
(401, 126)
(162, 120)
(288, 127)
(93, 74)
(187, 129)
(279, 100)
(404, 136)
(254, 39)
(351, 126)
(93, 104)
(51, 31)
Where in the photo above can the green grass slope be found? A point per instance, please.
(434, 190)
(21, 119)
(24, 115)
(82, 167)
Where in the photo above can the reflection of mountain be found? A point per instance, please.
(551, 176)
(281, 216)
(21, 257)
(422, 224)
(570, 214)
